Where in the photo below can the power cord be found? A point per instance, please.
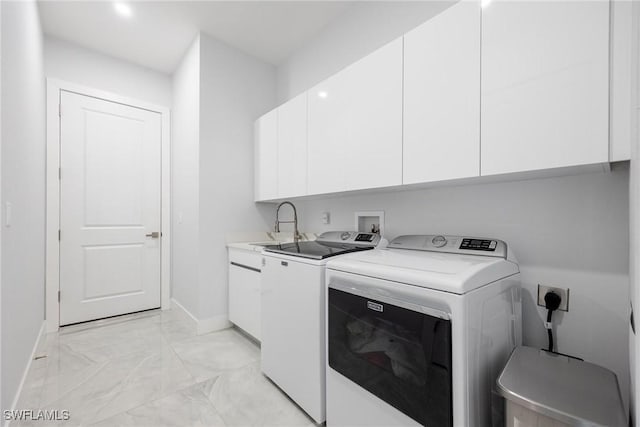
(552, 302)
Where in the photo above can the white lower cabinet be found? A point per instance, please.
(245, 290)
(545, 85)
(293, 349)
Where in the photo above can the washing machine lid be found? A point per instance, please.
(447, 271)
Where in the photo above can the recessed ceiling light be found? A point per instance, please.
(323, 94)
(123, 9)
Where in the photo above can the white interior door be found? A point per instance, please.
(110, 158)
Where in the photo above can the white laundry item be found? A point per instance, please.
(406, 358)
(403, 365)
(360, 333)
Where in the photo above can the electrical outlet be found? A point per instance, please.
(563, 292)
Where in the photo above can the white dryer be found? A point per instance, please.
(418, 332)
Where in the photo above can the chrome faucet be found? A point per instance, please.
(296, 234)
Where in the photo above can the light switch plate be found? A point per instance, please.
(563, 292)
(326, 218)
(7, 214)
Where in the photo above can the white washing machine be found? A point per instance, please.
(293, 309)
(418, 332)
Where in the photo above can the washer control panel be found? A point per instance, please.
(478, 244)
(452, 244)
(349, 238)
(365, 237)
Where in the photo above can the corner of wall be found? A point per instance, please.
(185, 154)
(23, 162)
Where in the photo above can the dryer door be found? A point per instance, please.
(400, 355)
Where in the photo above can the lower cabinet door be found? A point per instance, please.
(244, 299)
(293, 350)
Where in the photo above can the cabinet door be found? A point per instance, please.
(292, 351)
(292, 147)
(266, 156)
(355, 125)
(545, 85)
(621, 80)
(245, 292)
(442, 96)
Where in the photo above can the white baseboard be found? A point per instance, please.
(203, 326)
(213, 324)
(36, 345)
(175, 305)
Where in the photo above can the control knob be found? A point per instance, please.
(439, 241)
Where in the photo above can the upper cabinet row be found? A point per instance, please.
(516, 86)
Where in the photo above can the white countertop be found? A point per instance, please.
(256, 241)
(251, 246)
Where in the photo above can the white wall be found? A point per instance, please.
(236, 89)
(218, 93)
(570, 232)
(185, 146)
(634, 273)
(23, 185)
(1, 232)
(634, 216)
(363, 28)
(75, 64)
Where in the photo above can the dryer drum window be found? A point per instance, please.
(401, 356)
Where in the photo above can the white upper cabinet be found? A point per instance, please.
(545, 85)
(355, 125)
(266, 156)
(514, 86)
(292, 148)
(442, 96)
(622, 85)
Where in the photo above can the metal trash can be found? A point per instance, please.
(543, 388)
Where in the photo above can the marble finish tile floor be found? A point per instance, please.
(151, 369)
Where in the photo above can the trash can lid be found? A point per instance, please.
(562, 388)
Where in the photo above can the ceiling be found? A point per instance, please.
(159, 32)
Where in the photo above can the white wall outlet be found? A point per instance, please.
(326, 218)
(563, 292)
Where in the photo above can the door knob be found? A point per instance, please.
(153, 235)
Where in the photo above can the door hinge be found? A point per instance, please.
(58, 296)
(59, 173)
(59, 234)
(59, 110)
